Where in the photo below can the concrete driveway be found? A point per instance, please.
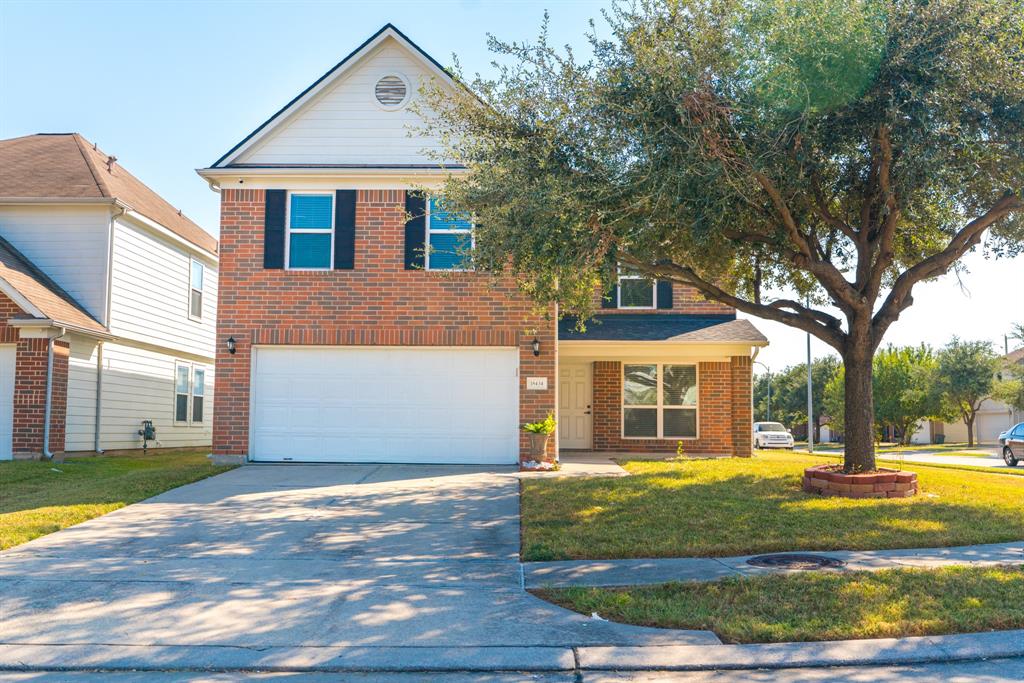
(359, 567)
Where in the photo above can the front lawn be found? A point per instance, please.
(38, 498)
(893, 603)
(739, 506)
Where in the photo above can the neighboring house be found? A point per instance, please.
(110, 288)
(994, 417)
(350, 328)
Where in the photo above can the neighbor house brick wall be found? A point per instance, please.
(379, 302)
(30, 386)
(723, 423)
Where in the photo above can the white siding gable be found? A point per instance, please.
(68, 243)
(344, 124)
(150, 296)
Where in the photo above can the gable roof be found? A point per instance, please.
(40, 297)
(663, 327)
(67, 166)
(332, 75)
(1016, 356)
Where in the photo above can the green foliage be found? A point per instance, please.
(789, 391)
(545, 426)
(966, 377)
(1017, 332)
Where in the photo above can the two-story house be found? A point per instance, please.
(351, 328)
(108, 306)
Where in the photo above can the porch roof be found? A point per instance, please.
(663, 327)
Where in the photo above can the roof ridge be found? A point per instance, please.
(46, 280)
(102, 186)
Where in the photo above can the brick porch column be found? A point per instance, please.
(742, 409)
(30, 396)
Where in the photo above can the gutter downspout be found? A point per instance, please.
(47, 453)
(99, 397)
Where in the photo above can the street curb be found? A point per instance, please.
(876, 652)
(213, 658)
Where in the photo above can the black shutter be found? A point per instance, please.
(415, 230)
(344, 229)
(664, 294)
(273, 229)
(611, 298)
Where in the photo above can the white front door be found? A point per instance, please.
(8, 362)
(384, 404)
(575, 411)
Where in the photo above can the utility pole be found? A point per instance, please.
(810, 393)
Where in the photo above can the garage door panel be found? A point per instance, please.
(346, 404)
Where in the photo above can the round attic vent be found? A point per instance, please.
(391, 91)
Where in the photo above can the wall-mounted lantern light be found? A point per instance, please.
(231, 345)
(536, 346)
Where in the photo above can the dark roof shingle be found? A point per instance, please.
(668, 327)
(67, 166)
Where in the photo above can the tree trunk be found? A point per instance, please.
(969, 421)
(860, 413)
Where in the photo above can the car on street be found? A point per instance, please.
(1012, 441)
(772, 435)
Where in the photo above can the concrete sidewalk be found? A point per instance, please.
(634, 572)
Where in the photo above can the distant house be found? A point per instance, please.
(993, 418)
(108, 305)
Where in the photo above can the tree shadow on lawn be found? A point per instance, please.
(672, 514)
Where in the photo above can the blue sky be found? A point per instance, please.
(168, 87)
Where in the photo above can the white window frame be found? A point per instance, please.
(659, 406)
(196, 262)
(175, 394)
(189, 393)
(300, 231)
(427, 248)
(618, 293)
(196, 367)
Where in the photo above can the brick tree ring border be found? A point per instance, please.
(830, 480)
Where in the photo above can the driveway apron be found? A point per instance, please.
(293, 556)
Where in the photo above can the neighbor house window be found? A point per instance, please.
(449, 238)
(181, 391)
(659, 401)
(636, 291)
(310, 241)
(195, 295)
(198, 393)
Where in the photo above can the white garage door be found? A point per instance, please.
(404, 405)
(8, 361)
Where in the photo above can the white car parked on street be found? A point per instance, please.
(772, 435)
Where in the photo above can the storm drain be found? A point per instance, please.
(795, 561)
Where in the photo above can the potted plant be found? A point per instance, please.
(539, 433)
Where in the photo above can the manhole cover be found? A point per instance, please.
(795, 561)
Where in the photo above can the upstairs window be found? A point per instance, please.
(310, 240)
(449, 238)
(195, 294)
(636, 291)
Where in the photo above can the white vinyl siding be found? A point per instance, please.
(68, 243)
(151, 290)
(346, 125)
(138, 384)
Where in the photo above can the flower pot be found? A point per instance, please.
(538, 445)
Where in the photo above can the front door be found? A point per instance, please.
(575, 418)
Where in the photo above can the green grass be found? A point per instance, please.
(39, 498)
(739, 506)
(819, 605)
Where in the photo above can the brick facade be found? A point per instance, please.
(378, 302)
(723, 417)
(30, 387)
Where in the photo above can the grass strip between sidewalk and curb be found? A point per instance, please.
(816, 606)
(740, 506)
(39, 498)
